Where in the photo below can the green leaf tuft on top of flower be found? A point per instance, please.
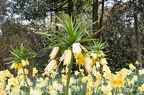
(74, 31)
(20, 56)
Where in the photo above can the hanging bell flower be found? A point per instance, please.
(87, 63)
(67, 57)
(54, 53)
(51, 65)
(24, 62)
(76, 49)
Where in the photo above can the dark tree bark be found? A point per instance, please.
(138, 44)
(101, 18)
(70, 7)
(95, 18)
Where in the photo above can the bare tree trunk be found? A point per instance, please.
(95, 18)
(56, 20)
(138, 45)
(70, 7)
(101, 18)
(51, 22)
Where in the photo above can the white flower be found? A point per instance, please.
(76, 49)
(35, 92)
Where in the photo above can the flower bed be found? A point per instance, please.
(124, 82)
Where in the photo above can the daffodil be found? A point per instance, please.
(103, 61)
(141, 71)
(134, 79)
(141, 88)
(132, 67)
(76, 72)
(51, 65)
(137, 62)
(125, 72)
(117, 81)
(106, 72)
(94, 57)
(34, 72)
(106, 89)
(97, 64)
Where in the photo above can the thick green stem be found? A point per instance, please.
(68, 78)
(25, 78)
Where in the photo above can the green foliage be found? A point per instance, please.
(14, 33)
(97, 46)
(74, 32)
(120, 34)
(12, 27)
(5, 43)
(37, 10)
(20, 53)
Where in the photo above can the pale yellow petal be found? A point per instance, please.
(87, 64)
(103, 61)
(50, 65)
(76, 48)
(25, 62)
(54, 53)
(67, 57)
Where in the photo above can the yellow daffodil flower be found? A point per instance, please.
(34, 72)
(94, 57)
(137, 62)
(117, 81)
(141, 88)
(141, 71)
(103, 61)
(106, 72)
(132, 67)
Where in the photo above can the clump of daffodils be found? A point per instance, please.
(97, 82)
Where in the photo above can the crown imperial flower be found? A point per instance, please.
(25, 62)
(76, 49)
(51, 65)
(54, 53)
(67, 57)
